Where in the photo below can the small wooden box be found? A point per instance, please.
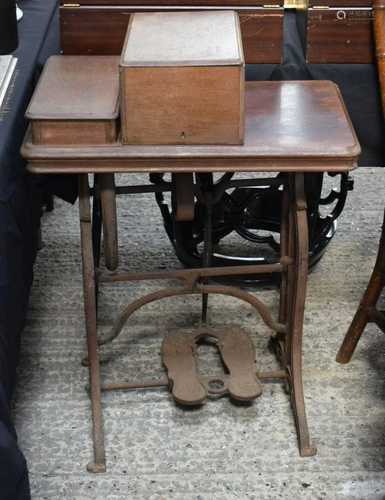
(182, 79)
(76, 102)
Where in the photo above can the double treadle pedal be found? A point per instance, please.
(237, 352)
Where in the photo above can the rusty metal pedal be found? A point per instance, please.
(237, 352)
(179, 359)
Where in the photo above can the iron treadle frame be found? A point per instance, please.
(293, 265)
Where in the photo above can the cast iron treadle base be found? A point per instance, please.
(237, 352)
(96, 468)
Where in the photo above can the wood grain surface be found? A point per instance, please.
(379, 33)
(184, 38)
(76, 101)
(96, 31)
(192, 3)
(182, 78)
(340, 3)
(340, 36)
(182, 105)
(77, 88)
(72, 132)
(289, 126)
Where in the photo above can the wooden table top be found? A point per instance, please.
(289, 126)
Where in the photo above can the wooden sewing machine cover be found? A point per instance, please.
(182, 79)
(76, 102)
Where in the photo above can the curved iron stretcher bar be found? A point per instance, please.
(191, 287)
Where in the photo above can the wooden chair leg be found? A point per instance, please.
(99, 463)
(377, 280)
(379, 41)
(369, 300)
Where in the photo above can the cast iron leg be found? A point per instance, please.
(207, 252)
(99, 463)
(295, 247)
(299, 230)
(285, 251)
(110, 230)
(371, 295)
(96, 221)
(96, 230)
(280, 344)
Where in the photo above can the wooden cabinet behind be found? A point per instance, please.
(96, 30)
(340, 31)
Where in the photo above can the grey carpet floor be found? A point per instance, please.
(157, 450)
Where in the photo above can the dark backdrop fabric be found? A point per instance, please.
(18, 223)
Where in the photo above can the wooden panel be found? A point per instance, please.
(182, 105)
(183, 38)
(341, 3)
(340, 36)
(176, 3)
(64, 82)
(74, 132)
(289, 126)
(379, 37)
(93, 31)
(76, 101)
(262, 35)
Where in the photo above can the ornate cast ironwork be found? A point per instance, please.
(248, 211)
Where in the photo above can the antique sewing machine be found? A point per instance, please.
(324, 42)
(184, 108)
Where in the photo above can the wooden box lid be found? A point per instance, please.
(183, 39)
(77, 88)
